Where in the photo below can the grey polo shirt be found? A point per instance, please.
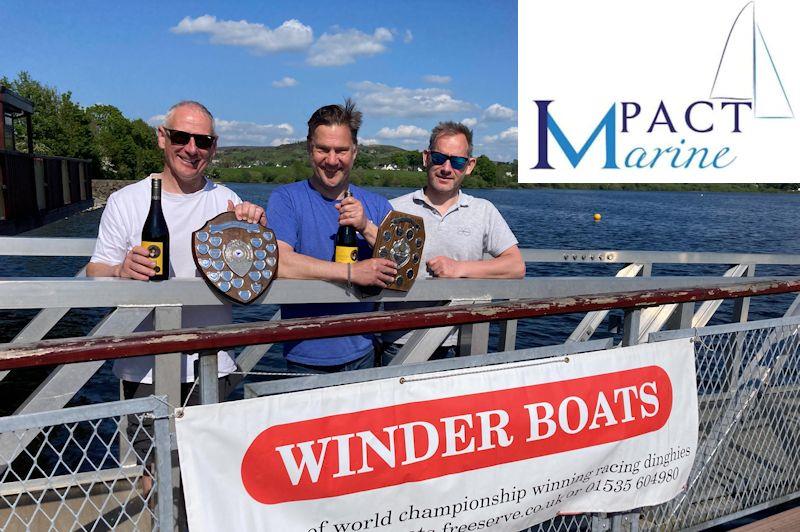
(470, 227)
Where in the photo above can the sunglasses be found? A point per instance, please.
(458, 163)
(181, 138)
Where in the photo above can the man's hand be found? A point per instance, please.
(373, 272)
(249, 212)
(442, 266)
(137, 265)
(351, 212)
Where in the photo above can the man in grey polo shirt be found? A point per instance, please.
(459, 228)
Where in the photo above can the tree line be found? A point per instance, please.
(119, 148)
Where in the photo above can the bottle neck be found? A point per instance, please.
(155, 191)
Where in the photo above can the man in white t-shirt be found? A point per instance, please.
(188, 200)
(459, 228)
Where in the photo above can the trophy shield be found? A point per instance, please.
(401, 237)
(238, 259)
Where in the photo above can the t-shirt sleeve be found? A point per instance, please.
(112, 238)
(281, 217)
(498, 236)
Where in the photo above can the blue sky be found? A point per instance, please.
(262, 67)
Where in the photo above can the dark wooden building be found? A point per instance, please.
(34, 189)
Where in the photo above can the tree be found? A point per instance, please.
(486, 170)
(60, 126)
(413, 160)
(399, 159)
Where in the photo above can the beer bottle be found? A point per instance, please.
(346, 245)
(155, 235)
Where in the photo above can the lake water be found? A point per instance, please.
(662, 221)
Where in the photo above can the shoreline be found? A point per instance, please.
(102, 188)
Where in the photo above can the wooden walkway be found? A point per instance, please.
(788, 521)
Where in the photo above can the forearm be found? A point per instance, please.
(508, 265)
(293, 265)
(370, 233)
(99, 269)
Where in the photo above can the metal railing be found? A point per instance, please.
(132, 302)
(73, 476)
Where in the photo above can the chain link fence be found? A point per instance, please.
(748, 457)
(75, 469)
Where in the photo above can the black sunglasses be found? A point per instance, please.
(458, 163)
(181, 138)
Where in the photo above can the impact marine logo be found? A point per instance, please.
(746, 85)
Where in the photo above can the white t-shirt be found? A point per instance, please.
(121, 230)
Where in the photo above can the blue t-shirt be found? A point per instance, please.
(308, 221)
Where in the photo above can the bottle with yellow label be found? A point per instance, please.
(155, 234)
(346, 243)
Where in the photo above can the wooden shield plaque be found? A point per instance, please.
(401, 238)
(237, 258)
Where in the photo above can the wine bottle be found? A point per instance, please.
(155, 234)
(346, 244)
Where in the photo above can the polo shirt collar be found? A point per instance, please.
(463, 200)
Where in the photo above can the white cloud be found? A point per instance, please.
(402, 132)
(368, 142)
(470, 122)
(439, 80)
(292, 35)
(235, 133)
(408, 37)
(509, 135)
(156, 120)
(498, 113)
(343, 46)
(383, 100)
(500, 147)
(284, 82)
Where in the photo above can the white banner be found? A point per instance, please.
(500, 448)
(674, 91)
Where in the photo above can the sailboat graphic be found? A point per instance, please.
(746, 70)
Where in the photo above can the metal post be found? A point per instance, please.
(630, 335)
(600, 522)
(167, 367)
(508, 335)
(631, 323)
(741, 306)
(473, 339)
(163, 453)
(209, 387)
(681, 318)
(29, 126)
(167, 380)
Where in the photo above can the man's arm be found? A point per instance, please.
(507, 265)
(371, 272)
(137, 265)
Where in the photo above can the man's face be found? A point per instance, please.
(186, 162)
(332, 154)
(443, 179)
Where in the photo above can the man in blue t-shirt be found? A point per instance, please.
(306, 216)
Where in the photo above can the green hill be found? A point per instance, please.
(376, 165)
(286, 154)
